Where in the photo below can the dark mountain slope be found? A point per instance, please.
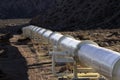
(81, 14)
(23, 8)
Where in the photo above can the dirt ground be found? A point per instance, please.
(27, 60)
(21, 60)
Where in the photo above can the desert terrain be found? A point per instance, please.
(24, 59)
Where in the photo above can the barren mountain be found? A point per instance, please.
(23, 8)
(81, 14)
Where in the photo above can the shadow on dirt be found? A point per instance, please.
(13, 65)
(16, 29)
(39, 65)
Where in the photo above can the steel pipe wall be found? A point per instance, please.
(104, 61)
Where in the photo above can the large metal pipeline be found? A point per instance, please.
(104, 61)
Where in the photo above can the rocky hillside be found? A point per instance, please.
(23, 8)
(81, 14)
(64, 14)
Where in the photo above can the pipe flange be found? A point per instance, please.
(45, 31)
(80, 45)
(38, 30)
(64, 36)
(52, 34)
(86, 42)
